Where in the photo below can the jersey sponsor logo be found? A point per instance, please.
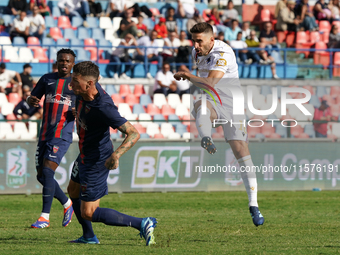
(87, 108)
(16, 174)
(221, 62)
(63, 100)
(55, 148)
(166, 167)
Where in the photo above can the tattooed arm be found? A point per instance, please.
(131, 138)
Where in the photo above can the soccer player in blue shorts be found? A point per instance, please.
(95, 114)
(55, 133)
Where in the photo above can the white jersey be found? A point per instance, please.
(221, 58)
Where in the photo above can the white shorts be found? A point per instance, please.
(235, 131)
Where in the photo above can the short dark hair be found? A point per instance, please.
(239, 33)
(165, 63)
(87, 68)
(202, 27)
(3, 65)
(171, 8)
(233, 20)
(66, 51)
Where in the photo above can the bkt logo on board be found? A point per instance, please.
(16, 174)
(166, 167)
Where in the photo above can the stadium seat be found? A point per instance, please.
(105, 22)
(321, 91)
(265, 15)
(324, 26)
(26, 55)
(181, 110)
(77, 22)
(296, 131)
(7, 108)
(20, 130)
(124, 90)
(159, 100)
(56, 11)
(166, 129)
(174, 136)
(158, 136)
(69, 34)
(167, 110)
(145, 100)
(335, 110)
(131, 118)
(174, 120)
(3, 99)
(117, 99)
(309, 129)
(33, 42)
(19, 41)
(173, 100)
(32, 130)
(188, 135)
(336, 69)
(336, 129)
(138, 108)
(311, 109)
(6, 131)
(138, 90)
(144, 136)
(188, 100)
(48, 42)
(140, 128)
(335, 91)
(97, 34)
(50, 22)
(252, 131)
(55, 33)
(124, 109)
(152, 129)
(52, 53)
(64, 22)
(131, 99)
(62, 43)
(158, 119)
(92, 22)
(116, 23)
(281, 130)
(145, 119)
(314, 100)
(310, 89)
(155, 12)
(303, 42)
(5, 40)
(92, 50)
(267, 129)
(152, 109)
(329, 98)
(14, 98)
(8, 19)
(206, 14)
(110, 89)
(83, 55)
(314, 37)
(83, 33)
(76, 44)
(321, 57)
(180, 128)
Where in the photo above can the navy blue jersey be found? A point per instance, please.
(58, 120)
(94, 119)
(24, 108)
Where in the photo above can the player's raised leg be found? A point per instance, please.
(204, 118)
(248, 174)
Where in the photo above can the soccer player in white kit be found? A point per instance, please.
(217, 68)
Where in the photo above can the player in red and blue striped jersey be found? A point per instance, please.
(55, 133)
(96, 113)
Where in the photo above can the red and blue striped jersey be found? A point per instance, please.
(58, 120)
(94, 119)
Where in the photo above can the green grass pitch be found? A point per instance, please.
(188, 223)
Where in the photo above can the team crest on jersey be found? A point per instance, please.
(55, 149)
(83, 188)
(87, 109)
(209, 60)
(221, 62)
(69, 86)
(221, 54)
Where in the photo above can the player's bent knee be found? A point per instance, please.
(86, 213)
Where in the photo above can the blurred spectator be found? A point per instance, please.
(303, 13)
(44, 10)
(170, 22)
(161, 29)
(321, 11)
(241, 45)
(215, 16)
(183, 39)
(212, 23)
(229, 14)
(279, 6)
(127, 26)
(334, 8)
(6, 76)
(286, 18)
(121, 55)
(116, 8)
(170, 54)
(165, 81)
(141, 28)
(151, 53)
(54, 68)
(245, 30)
(334, 38)
(26, 77)
(21, 26)
(264, 57)
(186, 8)
(78, 8)
(14, 7)
(220, 37)
(95, 8)
(183, 86)
(197, 18)
(322, 113)
(268, 37)
(23, 111)
(231, 33)
(37, 24)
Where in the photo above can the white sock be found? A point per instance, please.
(203, 123)
(249, 179)
(67, 204)
(46, 216)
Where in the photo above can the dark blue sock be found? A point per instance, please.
(114, 218)
(86, 224)
(59, 193)
(48, 189)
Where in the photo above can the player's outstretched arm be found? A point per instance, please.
(131, 138)
(213, 78)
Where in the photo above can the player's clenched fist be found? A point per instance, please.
(33, 101)
(112, 162)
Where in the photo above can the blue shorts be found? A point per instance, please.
(92, 180)
(53, 150)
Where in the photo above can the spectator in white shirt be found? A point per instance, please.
(20, 27)
(121, 55)
(186, 8)
(229, 14)
(241, 46)
(151, 54)
(165, 81)
(6, 76)
(170, 53)
(78, 8)
(37, 23)
(183, 86)
(245, 30)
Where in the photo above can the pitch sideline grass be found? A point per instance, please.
(189, 223)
